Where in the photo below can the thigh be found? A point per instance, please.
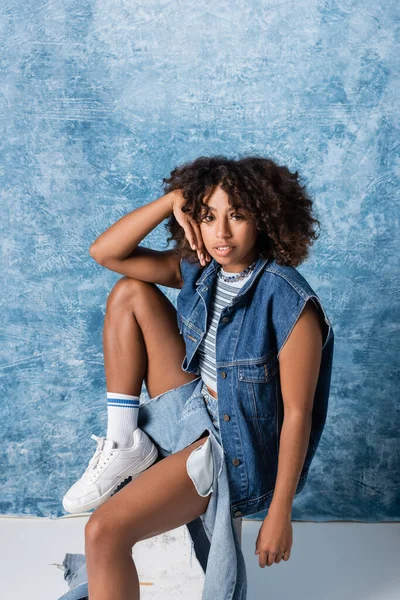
(160, 499)
(165, 346)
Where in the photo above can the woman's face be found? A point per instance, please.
(225, 226)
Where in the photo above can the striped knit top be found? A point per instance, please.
(222, 294)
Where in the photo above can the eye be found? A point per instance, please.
(237, 216)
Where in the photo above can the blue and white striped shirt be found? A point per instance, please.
(222, 294)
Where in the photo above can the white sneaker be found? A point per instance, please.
(107, 469)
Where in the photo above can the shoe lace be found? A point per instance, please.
(99, 459)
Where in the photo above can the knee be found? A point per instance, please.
(104, 537)
(97, 532)
(124, 291)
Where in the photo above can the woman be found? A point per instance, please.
(240, 227)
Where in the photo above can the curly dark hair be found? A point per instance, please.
(271, 193)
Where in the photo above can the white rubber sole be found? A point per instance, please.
(129, 472)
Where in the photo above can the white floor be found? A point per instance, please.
(329, 561)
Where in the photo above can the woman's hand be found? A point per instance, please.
(191, 228)
(275, 539)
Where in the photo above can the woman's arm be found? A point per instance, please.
(121, 239)
(118, 247)
(299, 365)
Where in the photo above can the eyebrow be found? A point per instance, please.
(214, 208)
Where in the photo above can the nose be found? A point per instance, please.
(223, 230)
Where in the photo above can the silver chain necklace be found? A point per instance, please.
(239, 276)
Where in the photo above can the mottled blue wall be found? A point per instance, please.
(98, 102)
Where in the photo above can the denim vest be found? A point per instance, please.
(250, 334)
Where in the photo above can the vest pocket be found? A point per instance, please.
(191, 336)
(259, 373)
(257, 389)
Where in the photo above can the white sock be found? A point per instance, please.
(122, 414)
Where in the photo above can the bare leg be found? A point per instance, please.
(160, 499)
(141, 339)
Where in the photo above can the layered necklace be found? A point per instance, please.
(238, 276)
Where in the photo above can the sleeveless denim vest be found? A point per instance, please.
(250, 334)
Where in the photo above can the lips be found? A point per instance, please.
(223, 252)
(223, 246)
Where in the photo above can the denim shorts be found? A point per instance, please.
(176, 418)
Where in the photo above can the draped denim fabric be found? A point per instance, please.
(250, 334)
(76, 576)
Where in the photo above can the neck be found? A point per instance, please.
(235, 269)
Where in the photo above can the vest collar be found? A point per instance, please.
(210, 271)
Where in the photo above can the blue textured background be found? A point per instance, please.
(98, 102)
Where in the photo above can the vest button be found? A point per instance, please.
(236, 462)
(223, 375)
(225, 319)
(227, 418)
(237, 513)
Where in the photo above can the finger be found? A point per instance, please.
(199, 241)
(201, 249)
(197, 233)
(190, 236)
(194, 242)
(195, 246)
(270, 558)
(263, 559)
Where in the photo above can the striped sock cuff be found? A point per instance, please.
(124, 400)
